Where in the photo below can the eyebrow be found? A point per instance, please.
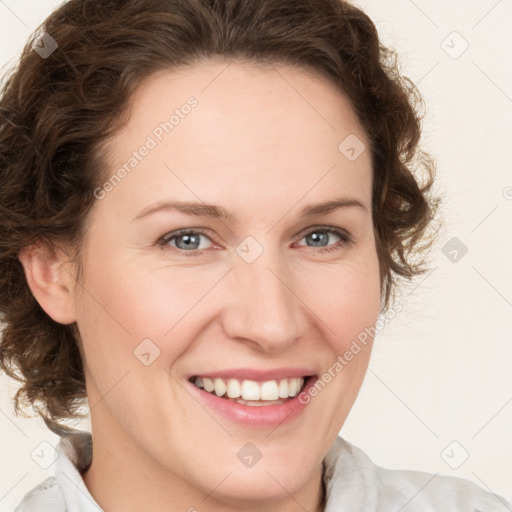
(217, 212)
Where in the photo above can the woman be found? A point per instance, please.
(204, 204)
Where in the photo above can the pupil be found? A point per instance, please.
(189, 240)
(317, 236)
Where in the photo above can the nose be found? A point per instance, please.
(263, 307)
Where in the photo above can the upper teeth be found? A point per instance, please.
(250, 389)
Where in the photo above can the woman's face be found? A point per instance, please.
(272, 290)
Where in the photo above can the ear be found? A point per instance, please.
(50, 282)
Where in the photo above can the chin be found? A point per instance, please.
(263, 482)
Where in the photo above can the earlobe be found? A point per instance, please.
(49, 281)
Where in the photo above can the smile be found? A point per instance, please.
(254, 397)
(251, 392)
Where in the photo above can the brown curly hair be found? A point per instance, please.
(57, 112)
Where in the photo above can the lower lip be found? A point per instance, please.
(257, 416)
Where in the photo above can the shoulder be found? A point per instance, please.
(422, 491)
(65, 490)
(353, 478)
(45, 497)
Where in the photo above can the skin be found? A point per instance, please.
(262, 143)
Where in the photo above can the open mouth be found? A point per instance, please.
(250, 392)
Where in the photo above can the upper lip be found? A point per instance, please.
(256, 374)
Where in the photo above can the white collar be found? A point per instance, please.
(74, 455)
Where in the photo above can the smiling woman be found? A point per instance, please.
(207, 301)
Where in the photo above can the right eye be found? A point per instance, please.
(184, 241)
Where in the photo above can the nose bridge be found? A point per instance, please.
(263, 308)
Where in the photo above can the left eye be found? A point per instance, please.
(190, 240)
(320, 237)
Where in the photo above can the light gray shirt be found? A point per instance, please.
(353, 484)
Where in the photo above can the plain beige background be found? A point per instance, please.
(438, 394)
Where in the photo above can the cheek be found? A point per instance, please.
(348, 311)
(347, 299)
(127, 304)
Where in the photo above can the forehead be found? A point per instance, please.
(253, 128)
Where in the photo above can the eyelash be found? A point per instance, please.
(345, 239)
